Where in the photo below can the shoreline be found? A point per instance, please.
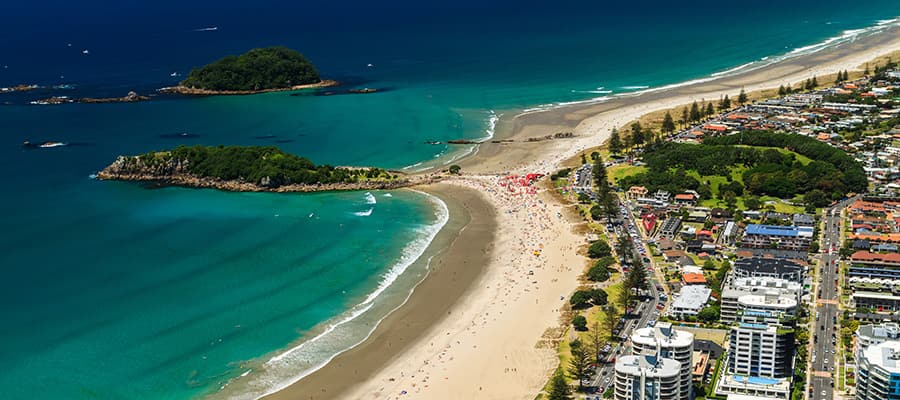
(592, 120)
(483, 368)
(186, 91)
(469, 232)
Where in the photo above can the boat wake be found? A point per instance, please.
(209, 29)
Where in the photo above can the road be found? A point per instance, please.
(826, 330)
(647, 306)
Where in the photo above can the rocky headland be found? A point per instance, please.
(174, 169)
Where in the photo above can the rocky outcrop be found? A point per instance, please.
(190, 91)
(131, 97)
(172, 172)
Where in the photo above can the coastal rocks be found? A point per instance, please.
(461, 141)
(131, 97)
(558, 135)
(18, 88)
(128, 98)
(191, 91)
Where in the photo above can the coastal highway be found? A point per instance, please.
(825, 313)
(646, 307)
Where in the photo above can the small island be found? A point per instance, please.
(260, 70)
(247, 169)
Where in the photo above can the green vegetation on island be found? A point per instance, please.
(258, 69)
(262, 166)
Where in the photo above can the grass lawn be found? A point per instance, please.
(620, 171)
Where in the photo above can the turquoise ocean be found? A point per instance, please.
(114, 290)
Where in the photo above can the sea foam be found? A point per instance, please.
(290, 366)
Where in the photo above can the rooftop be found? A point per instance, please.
(692, 297)
(885, 355)
(776, 230)
(648, 365)
(664, 334)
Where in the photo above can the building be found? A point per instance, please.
(687, 199)
(804, 220)
(777, 237)
(693, 278)
(729, 233)
(647, 377)
(636, 192)
(878, 371)
(875, 265)
(759, 294)
(868, 335)
(697, 216)
(760, 349)
(757, 267)
(753, 387)
(672, 344)
(669, 228)
(875, 301)
(690, 301)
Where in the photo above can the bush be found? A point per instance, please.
(580, 323)
(599, 249)
(580, 299)
(598, 273)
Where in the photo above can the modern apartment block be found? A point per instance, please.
(778, 237)
(760, 357)
(878, 371)
(760, 294)
(671, 344)
(647, 377)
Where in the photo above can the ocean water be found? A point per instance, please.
(112, 290)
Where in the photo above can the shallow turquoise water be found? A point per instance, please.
(112, 290)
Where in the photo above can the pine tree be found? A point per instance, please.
(846, 75)
(866, 71)
(727, 102)
(742, 97)
(579, 364)
(685, 116)
(808, 84)
(695, 112)
(615, 143)
(710, 110)
(815, 82)
(838, 79)
(668, 125)
(601, 178)
(559, 389)
(781, 90)
(637, 277)
(637, 134)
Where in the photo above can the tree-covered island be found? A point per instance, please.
(246, 169)
(258, 70)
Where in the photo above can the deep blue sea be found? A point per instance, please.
(112, 290)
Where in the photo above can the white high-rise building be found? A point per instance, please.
(671, 344)
(761, 349)
(878, 371)
(647, 377)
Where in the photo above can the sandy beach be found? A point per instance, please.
(474, 327)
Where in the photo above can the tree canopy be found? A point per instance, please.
(767, 171)
(257, 69)
(263, 165)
